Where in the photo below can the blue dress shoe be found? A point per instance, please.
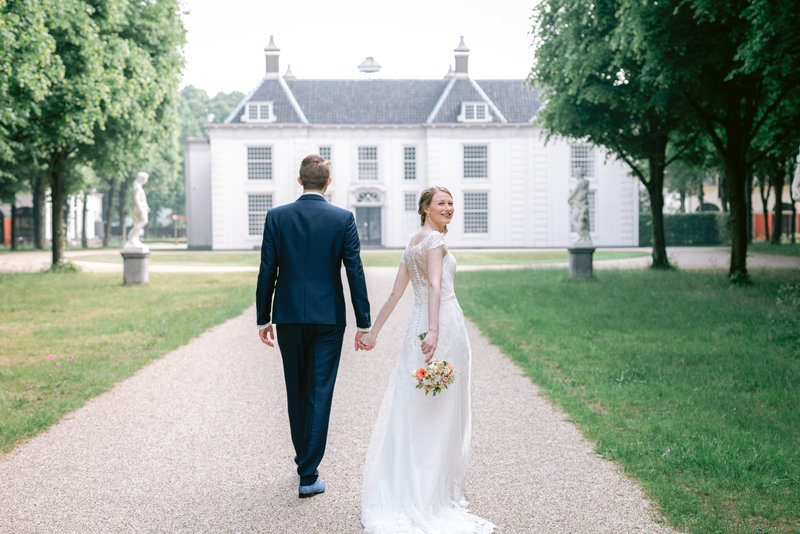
(311, 489)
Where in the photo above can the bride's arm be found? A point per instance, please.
(399, 287)
(434, 263)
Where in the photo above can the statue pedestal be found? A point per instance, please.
(136, 267)
(580, 262)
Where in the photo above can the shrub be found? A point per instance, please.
(688, 229)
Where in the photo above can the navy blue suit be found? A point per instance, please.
(300, 290)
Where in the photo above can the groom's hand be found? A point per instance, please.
(360, 345)
(267, 336)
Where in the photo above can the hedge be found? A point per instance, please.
(682, 229)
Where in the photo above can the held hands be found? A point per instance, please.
(365, 340)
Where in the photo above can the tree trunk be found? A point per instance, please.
(733, 158)
(13, 224)
(57, 200)
(122, 207)
(38, 189)
(682, 193)
(749, 202)
(84, 214)
(701, 196)
(656, 190)
(794, 220)
(112, 190)
(723, 191)
(764, 194)
(777, 214)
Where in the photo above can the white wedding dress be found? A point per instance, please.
(417, 459)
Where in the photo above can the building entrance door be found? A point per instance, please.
(368, 221)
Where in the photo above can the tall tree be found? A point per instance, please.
(143, 120)
(592, 87)
(735, 63)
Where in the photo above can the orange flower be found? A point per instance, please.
(421, 373)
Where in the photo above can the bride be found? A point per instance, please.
(417, 459)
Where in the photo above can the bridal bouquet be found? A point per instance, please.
(435, 376)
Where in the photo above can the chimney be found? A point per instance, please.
(462, 58)
(288, 74)
(272, 52)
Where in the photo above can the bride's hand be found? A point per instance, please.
(369, 339)
(429, 345)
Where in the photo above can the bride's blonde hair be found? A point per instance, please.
(425, 199)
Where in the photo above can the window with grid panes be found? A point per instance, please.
(325, 152)
(410, 202)
(410, 162)
(476, 161)
(259, 112)
(259, 163)
(474, 112)
(367, 163)
(476, 213)
(581, 159)
(258, 204)
(591, 214)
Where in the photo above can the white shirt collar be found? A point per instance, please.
(313, 193)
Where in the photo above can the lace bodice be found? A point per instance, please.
(416, 259)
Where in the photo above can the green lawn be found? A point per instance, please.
(784, 249)
(69, 337)
(690, 384)
(371, 258)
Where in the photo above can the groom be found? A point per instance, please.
(305, 243)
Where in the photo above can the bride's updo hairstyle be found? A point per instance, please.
(425, 199)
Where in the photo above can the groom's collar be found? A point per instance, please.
(312, 195)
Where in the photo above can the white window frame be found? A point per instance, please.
(322, 150)
(409, 163)
(255, 165)
(581, 158)
(412, 205)
(256, 217)
(259, 112)
(474, 112)
(367, 166)
(471, 163)
(470, 229)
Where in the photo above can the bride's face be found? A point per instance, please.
(440, 210)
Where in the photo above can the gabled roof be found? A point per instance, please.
(386, 102)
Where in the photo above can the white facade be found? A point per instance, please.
(510, 188)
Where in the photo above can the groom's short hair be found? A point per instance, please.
(314, 172)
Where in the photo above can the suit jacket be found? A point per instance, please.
(304, 246)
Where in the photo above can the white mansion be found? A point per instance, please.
(386, 141)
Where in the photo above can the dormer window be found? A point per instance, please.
(474, 112)
(259, 112)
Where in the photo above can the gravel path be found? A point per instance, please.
(198, 441)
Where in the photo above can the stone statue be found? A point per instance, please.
(796, 182)
(140, 212)
(579, 212)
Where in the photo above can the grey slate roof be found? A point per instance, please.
(387, 102)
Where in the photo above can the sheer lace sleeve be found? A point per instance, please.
(436, 239)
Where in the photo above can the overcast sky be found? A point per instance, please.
(328, 39)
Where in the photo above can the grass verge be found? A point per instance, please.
(69, 337)
(691, 385)
(371, 258)
(784, 249)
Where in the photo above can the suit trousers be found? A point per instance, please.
(310, 362)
